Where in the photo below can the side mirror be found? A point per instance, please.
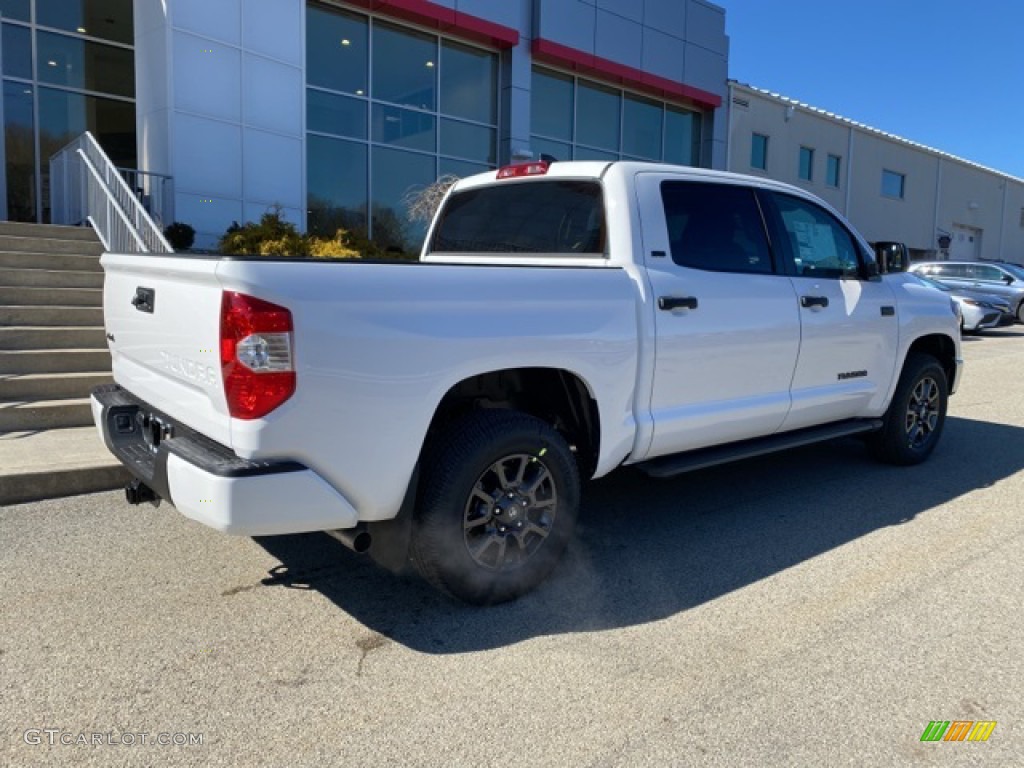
(1008, 279)
(892, 257)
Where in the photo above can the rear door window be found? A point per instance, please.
(989, 274)
(715, 227)
(557, 216)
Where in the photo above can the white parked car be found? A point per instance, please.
(563, 321)
(992, 277)
(978, 311)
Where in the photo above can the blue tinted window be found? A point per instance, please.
(832, 171)
(682, 137)
(17, 42)
(597, 116)
(759, 151)
(21, 152)
(893, 184)
(404, 67)
(395, 175)
(806, 163)
(473, 142)
(404, 128)
(330, 113)
(469, 83)
(337, 50)
(15, 9)
(109, 19)
(77, 63)
(551, 105)
(337, 184)
(641, 128)
(64, 115)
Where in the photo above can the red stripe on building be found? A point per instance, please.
(446, 20)
(587, 64)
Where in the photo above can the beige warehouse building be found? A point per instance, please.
(890, 188)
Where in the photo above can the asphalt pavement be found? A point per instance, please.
(812, 608)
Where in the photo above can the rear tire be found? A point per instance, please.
(1020, 312)
(913, 424)
(499, 501)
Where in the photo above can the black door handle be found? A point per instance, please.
(677, 302)
(814, 301)
(144, 299)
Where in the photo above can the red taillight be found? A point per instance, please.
(538, 168)
(255, 355)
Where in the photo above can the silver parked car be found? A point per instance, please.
(978, 311)
(993, 277)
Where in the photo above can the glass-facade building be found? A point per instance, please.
(67, 66)
(335, 111)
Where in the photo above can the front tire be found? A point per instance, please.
(1020, 312)
(500, 497)
(913, 424)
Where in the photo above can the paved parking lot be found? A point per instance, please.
(807, 609)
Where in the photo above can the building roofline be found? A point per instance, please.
(870, 129)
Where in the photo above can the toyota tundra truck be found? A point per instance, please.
(563, 320)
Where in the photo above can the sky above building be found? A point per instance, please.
(944, 73)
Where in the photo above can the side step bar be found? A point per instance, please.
(676, 464)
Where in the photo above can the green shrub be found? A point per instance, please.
(272, 236)
(180, 236)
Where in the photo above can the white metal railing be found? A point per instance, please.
(86, 187)
(155, 191)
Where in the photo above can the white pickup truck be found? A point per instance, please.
(563, 320)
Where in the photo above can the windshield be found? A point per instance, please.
(560, 216)
(1015, 269)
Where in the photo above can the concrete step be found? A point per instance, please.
(46, 278)
(57, 297)
(50, 231)
(51, 337)
(54, 360)
(44, 414)
(50, 245)
(65, 261)
(51, 386)
(55, 463)
(52, 316)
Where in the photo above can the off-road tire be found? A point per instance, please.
(915, 418)
(467, 510)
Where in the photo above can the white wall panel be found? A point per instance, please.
(207, 157)
(274, 28)
(207, 77)
(272, 95)
(219, 19)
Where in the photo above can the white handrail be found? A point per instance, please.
(105, 228)
(101, 196)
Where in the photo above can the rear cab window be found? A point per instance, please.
(563, 217)
(715, 227)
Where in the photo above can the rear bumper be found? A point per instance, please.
(207, 482)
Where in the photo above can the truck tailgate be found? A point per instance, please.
(162, 319)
